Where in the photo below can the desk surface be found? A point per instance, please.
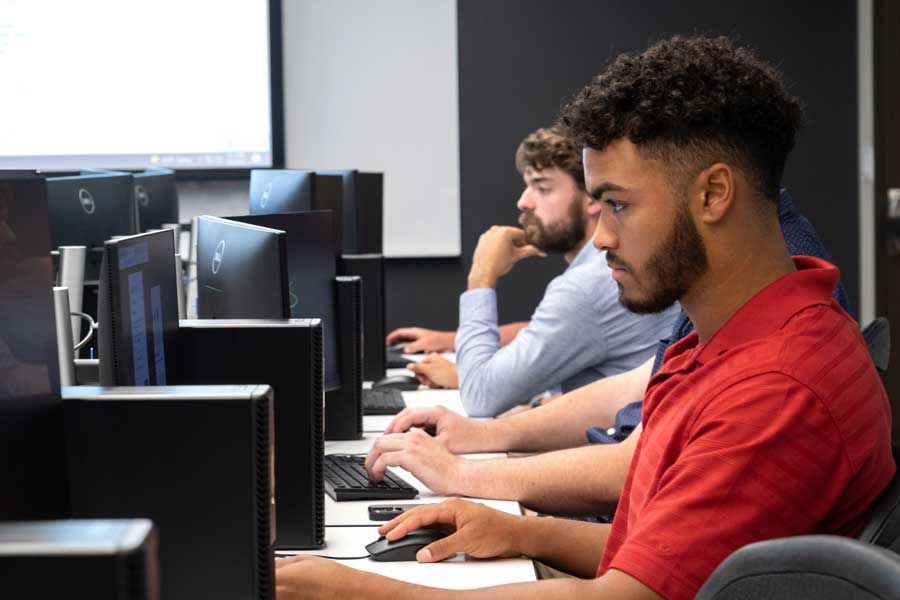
(461, 572)
(348, 528)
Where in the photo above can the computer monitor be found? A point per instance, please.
(32, 454)
(362, 210)
(108, 559)
(311, 272)
(196, 460)
(86, 210)
(281, 190)
(156, 198)
(241, 271)
(138, 309)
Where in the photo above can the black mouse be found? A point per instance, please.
(405, 548)
(404, 383)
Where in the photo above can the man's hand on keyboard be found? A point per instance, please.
(435, 371)
(420, 454)
(422, 340)
(452, 430)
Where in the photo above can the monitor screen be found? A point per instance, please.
(139, 84)
(87, 210)
(32, 455)
(241, 271)
(140, 277)
(156, 198)
(311, 272)
(281, 190)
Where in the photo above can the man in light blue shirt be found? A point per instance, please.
(579, 332)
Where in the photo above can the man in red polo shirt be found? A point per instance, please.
(768, 421)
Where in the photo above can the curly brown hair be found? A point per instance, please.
(691, 102)
(548, 148)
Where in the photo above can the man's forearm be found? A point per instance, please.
(585, 481)
(562, 422)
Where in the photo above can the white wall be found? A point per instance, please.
(373, 86)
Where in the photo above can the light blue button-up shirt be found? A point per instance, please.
(578, 334)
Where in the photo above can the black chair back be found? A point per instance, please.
(882, 526)
(878, 340)
(810, 567)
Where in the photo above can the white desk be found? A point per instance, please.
(348, 528)
(460, 572)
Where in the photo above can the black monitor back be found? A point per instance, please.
(241, 271)
(32, 453)
(362, 210)
(311, 271)
(197, 461)
(370, 267)
(98, 559)
(281, 190)
(87, 210)
(138, 310)
(287, 354)
(156, 198)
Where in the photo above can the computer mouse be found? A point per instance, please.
(404, 383)
(405, 548)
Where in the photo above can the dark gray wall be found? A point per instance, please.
(519, 60)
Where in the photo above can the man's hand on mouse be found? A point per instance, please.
(422, 340)
(457, 433)
(435, 371)
(475, 529)
(498, 250)
(422, 455)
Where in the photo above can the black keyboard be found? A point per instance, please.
(382, 401)
(346, 479)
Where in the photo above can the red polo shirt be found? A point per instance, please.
(778, 425)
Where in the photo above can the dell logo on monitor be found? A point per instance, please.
(264, 200)
(217, 257)
(142, 196)
(87, 201)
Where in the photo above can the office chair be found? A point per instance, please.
(820, 567)
(882, 526)
(877, 335)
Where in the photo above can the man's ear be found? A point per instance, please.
(712, 193)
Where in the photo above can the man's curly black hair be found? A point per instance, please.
(691, 102)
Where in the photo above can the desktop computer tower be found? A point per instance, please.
(369, 212)
(343, 405)
(113, 559)
(197, 461)
(370, 267)
(330, 196)
(287, 355)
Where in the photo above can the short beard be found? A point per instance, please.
(558, 238)
(673, 268)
